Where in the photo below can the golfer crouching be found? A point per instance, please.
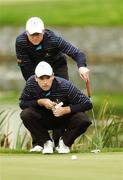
(50, 102)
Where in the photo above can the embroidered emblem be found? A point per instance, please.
(46, 94)
(38, 48)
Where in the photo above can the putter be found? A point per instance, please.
(93, 117)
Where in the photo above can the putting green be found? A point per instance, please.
(101, 166)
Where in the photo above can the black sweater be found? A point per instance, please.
(61, 90)
(52, 49)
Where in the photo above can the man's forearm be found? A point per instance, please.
(47, 103)
(27, 70)
(81, 107)
(61, 111)
(25, 104)
(67, 110)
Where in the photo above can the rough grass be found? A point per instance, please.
(67, 13)
(60, 167)
(114, 100)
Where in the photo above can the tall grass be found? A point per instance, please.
(6, 131)
(110, 127)
(109, 131)
(4, 121)
(22, 140)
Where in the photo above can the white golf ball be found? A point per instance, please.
(74, 157)
(95, 151)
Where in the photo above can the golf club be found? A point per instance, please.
(93, 118)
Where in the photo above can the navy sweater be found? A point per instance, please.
(53, 49)
(61, 90)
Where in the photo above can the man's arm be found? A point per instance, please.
(61, 111)
(29, 96)
(27, 103)
(79, 102)
(72, 108)
(75, 54)
(47, 103)
(26, 66)
(27, 69)
(76, 101)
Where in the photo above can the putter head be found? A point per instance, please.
(95, 151)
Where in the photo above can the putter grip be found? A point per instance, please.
(88, 88)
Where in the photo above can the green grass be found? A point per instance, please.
(60, 167)
(114, 100)
(65, 13)
(9, 97)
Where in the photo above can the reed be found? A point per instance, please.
(21, 140)
(109, 128)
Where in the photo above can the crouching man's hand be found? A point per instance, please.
(60, 111)
(84, 73)
(47, 103)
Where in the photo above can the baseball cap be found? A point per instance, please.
(43, 69)
(34, 25)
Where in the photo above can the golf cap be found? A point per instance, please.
(34, 25)
(43, 69)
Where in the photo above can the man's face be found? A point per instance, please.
(45, 82)
(35, 38)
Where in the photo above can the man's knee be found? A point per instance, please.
(85, 118)
(82, 119)
(25, 113)
(28, 114)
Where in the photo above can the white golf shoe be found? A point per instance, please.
(36, 148)
(48, 147)
(62, 148)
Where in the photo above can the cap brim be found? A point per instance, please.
(33, 31)
(40, 75)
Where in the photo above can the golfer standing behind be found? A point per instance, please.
(41, 113)
(39, 44)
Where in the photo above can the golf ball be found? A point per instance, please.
(95, 151)
(74, 157)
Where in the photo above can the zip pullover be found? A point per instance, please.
(61, 90)
(53, 49)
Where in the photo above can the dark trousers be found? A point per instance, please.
(38, 122)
